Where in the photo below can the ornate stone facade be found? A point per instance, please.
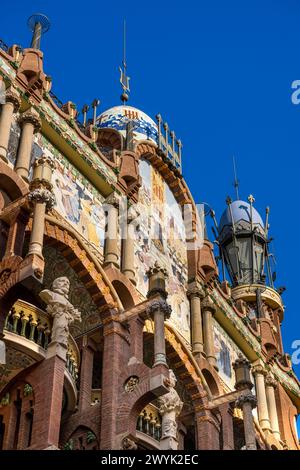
(115, 330)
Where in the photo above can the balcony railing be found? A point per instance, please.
(149, 422)
(32, 323)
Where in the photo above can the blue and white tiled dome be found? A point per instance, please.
(117, 118)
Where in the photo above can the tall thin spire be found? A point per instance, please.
(124, 79)
(236, 181)
(38, 24)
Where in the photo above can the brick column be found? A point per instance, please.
(207, 432)
(49, 377)
(271, 384)
(11, 106)
(227, 426)
(262, 407)
(86, 374)
(246, 403)
(115, 358)
(208, 310)
(195, 294)
(31, 123)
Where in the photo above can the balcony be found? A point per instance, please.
(149, 425)
(33, 327)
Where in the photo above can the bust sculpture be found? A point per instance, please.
(60, 309)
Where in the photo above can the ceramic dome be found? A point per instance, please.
(240, 212)
(117, 118)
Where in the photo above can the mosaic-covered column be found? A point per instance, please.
(262, 407)
(111, 248)
(11, 106)
(195, 294)
(42, 200)
(208, 310)
(246, 403)
(271, 384)
(160, 311)
(31, 123)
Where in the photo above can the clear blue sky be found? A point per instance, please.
(219, 72)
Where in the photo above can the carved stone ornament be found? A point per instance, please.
(60, 309)
(155, 269)
(128, 444)
(207, 304)
(270, 381)
(195, 290)
(33, 118)
(259, 369)
(45, 159)
(160, 305)
(12, 97)
(131, 384)
(42, 195)
(247, 398)
(170, 407)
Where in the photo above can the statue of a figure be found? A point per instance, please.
(170, 407)
(59, 307)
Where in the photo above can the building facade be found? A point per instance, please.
(116, 331)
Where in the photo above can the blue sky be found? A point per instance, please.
(219, 72)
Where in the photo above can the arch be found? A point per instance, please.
(212, 384)
(124, 288)
(76, 251)
(11, 183)
(124, 294)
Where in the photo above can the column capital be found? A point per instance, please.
(259, 370)
(32, 117)
(43, 196)
(113, 200)
(246, 398)
(160, 305)
(207, 304)
(270, 381)
(44, 159)
(195, 290)
(12, 96)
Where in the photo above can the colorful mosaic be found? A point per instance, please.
(76, 199)
(161, 237)
(75, 141)
(226, 353)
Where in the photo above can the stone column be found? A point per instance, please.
(262, 406)
(208, 310)
(111, 248)
(42, 200)
(160, 311)
(31, 123)
(170, 407)
(128, 251)
(11, 105)
(271, 384)
(195, 294)
(246, 403)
